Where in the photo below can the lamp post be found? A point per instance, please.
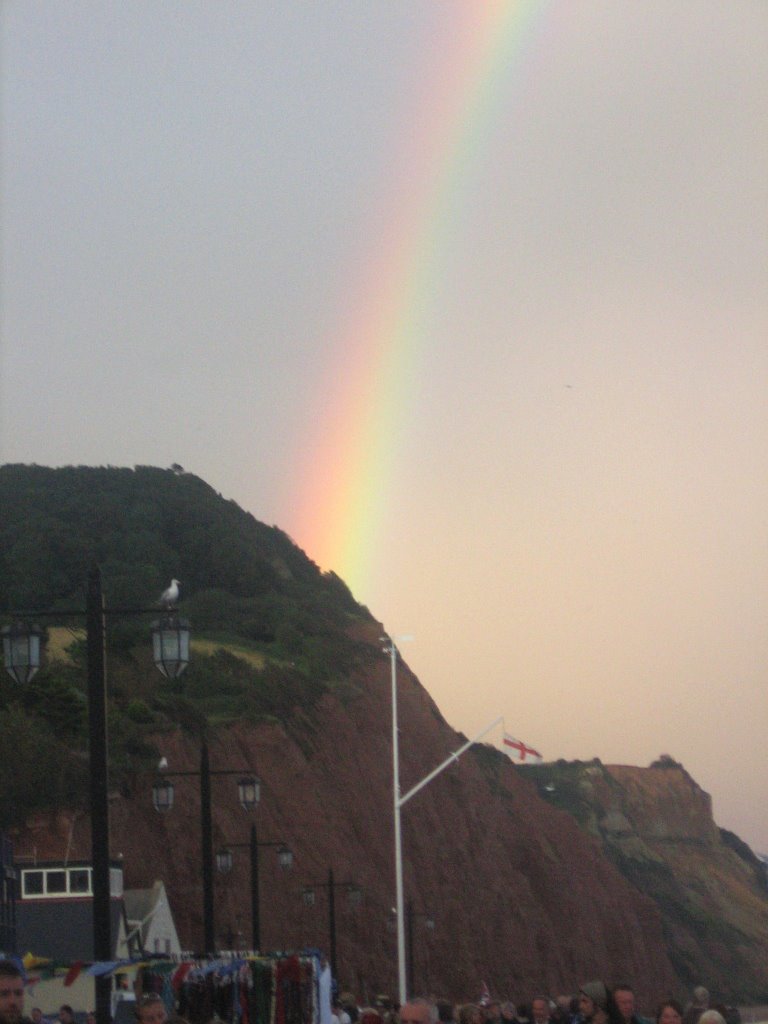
(249, 792)
(354, 895)
(401, 799)
(224, 865)
(391, 650)
(22, 650)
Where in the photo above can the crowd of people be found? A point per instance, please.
(595, 1003)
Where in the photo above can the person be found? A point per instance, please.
(339, 1014)
(596, 1006)
(66, 1014)
(562, 1012)
(38, 1017)
(624, 1000)
(11, 994)
(540, 1010)
(470, 1013)
(150, 1009)
(695, 1009)
(349, 1003)
(669, 1012)
(415, 1013)
(593, 999)
(711, 1017)
(445, 1011)
(492, 1012)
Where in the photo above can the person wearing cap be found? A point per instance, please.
(593, 1002)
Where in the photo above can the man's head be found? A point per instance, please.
(150, 1009)
(624, 998)
(540, 1009)
(66, 1014)
(492, 1010)
(414, 1013)
(11, 993)
(700, 996)
(37, 1015)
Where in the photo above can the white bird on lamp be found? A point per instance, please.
(170, 595)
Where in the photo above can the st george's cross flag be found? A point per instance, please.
(520, 752)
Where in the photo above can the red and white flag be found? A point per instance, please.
(520, 752)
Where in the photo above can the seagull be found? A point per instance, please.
(170, 596)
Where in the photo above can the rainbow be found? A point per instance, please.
(348, 463)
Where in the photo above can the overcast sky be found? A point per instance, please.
(537, 261)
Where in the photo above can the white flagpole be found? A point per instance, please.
(399, 895)
(398, 801)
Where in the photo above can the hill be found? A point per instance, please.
(288, 679)
(655, 824)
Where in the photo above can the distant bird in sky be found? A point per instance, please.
(170, 596)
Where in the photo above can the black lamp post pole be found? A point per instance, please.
(171, 642)
(255, 910)
(332, 921)
(353, 891)
(206, 833)
(97, 736)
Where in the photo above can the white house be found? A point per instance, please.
(150, 921)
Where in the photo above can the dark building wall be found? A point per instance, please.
(61, 929)
(8, 895)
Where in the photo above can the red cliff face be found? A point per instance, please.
(521, 898)
(655, 824)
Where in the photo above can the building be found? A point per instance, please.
(150, 921)
(7, 896)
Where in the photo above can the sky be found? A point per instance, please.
(469, 298)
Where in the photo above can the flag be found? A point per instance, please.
(73, 972)
(520, 752)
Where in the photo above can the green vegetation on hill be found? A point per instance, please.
(275, 626)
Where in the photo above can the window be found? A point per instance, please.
(55, 882)
(58, 882)
(80, 880)
(33, 883)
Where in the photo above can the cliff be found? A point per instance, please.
(534, 882)
(521, 898)
(655, 824)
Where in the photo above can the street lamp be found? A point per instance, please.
(399, 801)
(22, 649)
(224, 865)
(354, 896)
(248, 794)
(391, 650)
(170, 645)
